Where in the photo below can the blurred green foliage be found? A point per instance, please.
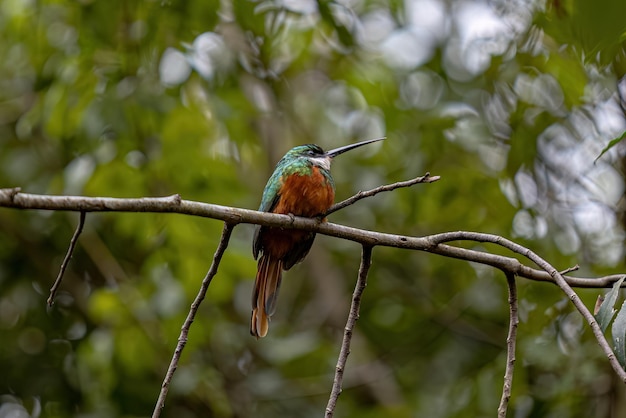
(509, 103)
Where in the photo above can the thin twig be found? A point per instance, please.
(66, 260)
(426, 178)
(569, 269)
(182, 339)
(366, 261)
(510, 346)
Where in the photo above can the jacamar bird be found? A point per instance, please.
(301, 185)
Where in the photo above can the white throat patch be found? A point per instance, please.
(323, 162)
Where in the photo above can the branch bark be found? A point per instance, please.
(66, 260)
(510, 346)
(12, 198)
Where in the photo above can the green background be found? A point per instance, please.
(509, 103)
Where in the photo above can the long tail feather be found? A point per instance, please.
(266, 286)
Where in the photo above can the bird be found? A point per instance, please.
(301, 185)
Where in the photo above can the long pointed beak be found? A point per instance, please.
(335, 152)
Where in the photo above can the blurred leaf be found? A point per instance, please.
(610, 145)
(596, 30)
(523, 140)
(619, 335)
(325, 8)
(570, 73)
(606, 311)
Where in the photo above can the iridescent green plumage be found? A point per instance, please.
(297, 160)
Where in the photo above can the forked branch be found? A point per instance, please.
(554, 273)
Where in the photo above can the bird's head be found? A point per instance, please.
(316, 155)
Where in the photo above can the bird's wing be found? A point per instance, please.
(298, 252)
(270, 199)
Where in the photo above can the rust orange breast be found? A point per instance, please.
(305, 195)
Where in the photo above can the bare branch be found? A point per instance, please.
(366, 261)
(66, 260)
(12, 198)
(510, 346)
(570, 269)
(558, 279)
(426, 178)
(182, 339)
(513, 265)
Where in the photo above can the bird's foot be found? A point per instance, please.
(320, 218)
